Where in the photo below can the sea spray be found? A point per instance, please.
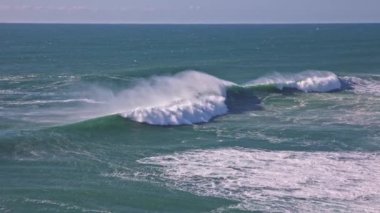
(185, 98)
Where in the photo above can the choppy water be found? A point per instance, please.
(194, 118)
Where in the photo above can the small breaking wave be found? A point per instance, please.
(307, 81)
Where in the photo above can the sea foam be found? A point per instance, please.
(282, 181)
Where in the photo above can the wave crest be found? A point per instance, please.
(185, 98)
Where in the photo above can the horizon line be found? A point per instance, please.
(190, 23)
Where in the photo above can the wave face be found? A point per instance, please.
(307, 81)
(185, 98)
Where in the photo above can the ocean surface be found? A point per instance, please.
(189, 118)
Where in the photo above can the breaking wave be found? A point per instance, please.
(193, 97)
(185, 98)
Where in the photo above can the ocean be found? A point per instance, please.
(189, 118)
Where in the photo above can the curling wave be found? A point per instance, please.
(185, 98)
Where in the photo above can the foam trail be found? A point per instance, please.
(307, 81)
(283, 181)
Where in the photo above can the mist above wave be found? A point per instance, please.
(185, 98)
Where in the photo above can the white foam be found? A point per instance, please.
(307, 81)
(277, 181)
(187, 111)
(185, 98)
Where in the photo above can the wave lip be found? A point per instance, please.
(307, 81)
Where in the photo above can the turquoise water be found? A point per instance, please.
(189, 118)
